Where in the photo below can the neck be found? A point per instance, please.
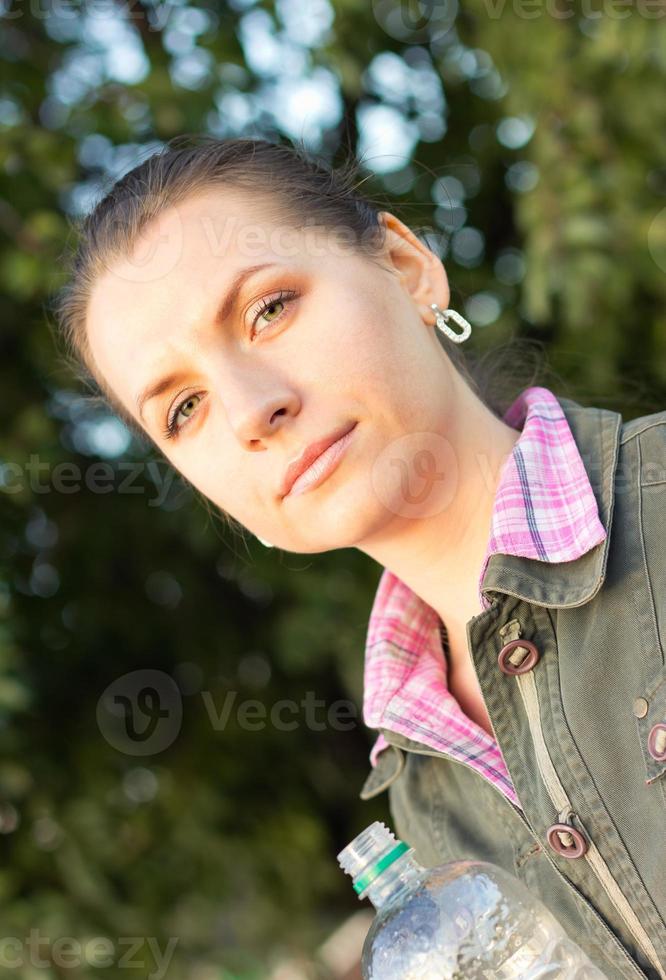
(440, 555)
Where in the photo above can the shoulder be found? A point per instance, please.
(628, 428)
(643, 445)
(655, 424)
(627, 445)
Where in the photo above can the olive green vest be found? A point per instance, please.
(579, 713)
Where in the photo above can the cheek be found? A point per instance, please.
(386, 366)
(352, 352)
(227, 487)
(227, 475)
(202, 461)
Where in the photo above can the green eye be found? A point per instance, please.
(283, 298)
(172, 429)
(188, 402)
(276, 302)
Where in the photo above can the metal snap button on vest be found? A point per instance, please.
(566, 841)
(517, 657)
(656, 742)
(640, 707)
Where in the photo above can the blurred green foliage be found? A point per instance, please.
(529, 150)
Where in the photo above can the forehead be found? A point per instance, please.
(176, 252)
(176, 274)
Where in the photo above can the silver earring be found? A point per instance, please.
(266, 543)
(441, 317)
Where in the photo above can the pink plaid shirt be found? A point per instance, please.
(544, 508)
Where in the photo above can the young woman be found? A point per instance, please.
(291, 351)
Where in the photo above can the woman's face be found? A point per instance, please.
(318, 340)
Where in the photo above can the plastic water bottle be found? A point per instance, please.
(463, 919)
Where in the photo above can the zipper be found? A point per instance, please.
(418, 749)
(562, 804)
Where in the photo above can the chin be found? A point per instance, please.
(350, 524)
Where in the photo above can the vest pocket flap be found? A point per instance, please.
(389, 765)
(652, 726)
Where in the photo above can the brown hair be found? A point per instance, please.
(301, 186)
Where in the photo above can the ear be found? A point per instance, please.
(421, 272)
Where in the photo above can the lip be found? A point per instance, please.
(311, 453)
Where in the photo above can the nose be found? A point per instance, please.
(257, 406)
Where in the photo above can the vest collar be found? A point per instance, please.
(596, 432)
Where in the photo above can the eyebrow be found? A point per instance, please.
(224, 311)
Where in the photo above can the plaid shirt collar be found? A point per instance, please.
(545, 508)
